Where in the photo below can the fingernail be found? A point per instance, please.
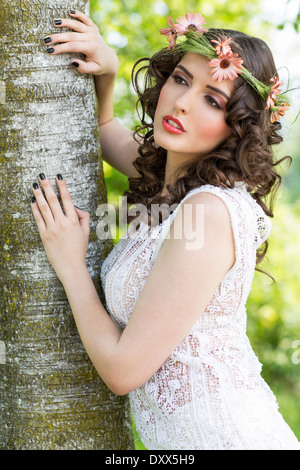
(47, 40)
(73, 12)
(75, 64)
(57, 22)
(33, 199)
(35, 186)
(42, 176)
(50, 50)
(59, 177)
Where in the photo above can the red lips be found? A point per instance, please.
(173, 125)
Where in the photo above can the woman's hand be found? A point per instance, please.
(64, 232)
(100, 59)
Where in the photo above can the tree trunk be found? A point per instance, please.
(50, 395)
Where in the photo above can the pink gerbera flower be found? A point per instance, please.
(226, 66)
(192, 23)
(222, 46)
(274, 91)
(171, 33)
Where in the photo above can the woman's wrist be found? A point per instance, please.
(105, 122)
(71, 275)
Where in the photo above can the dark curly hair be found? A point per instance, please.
(245, 156)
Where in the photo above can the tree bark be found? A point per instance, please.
(51, 397)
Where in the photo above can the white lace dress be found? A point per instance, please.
(209, 394)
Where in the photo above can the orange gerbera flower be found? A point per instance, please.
(279, 111)
(171, 30)
(272, 98)
(171, 33)
(222, 46)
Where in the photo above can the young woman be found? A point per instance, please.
(175, 339)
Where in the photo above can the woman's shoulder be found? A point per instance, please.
(245, 213)
(207, 199)
(238, 187)
(238, 195)
(221, 207)
(217, 196)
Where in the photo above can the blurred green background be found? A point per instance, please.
(132, 27)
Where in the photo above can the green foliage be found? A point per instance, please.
(292, 147)
(274, 313)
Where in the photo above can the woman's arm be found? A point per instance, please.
(178, 289)
(119, 148)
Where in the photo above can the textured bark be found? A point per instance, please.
(50, 395)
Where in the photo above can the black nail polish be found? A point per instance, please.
(35, 186)
(33, 199)
(57, 22)
(75, 64)
(42, 176)
(50, 50)
(59, 177)
(73, 12)
(47, 40)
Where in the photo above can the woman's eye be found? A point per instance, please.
(178, 79)
(213, 102)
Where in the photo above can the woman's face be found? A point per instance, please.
(190, 115)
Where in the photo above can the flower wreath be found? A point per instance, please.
(224, 63)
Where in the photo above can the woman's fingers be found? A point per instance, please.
(77, 26)
(60, 38)
(38, 216)
(47, 203)
(83, 25)
(66, 199)
(46, 199)
(85, 39)
(82, 17)
(64, 234)
(42, 204)
(82, 47)
(84, 220)
(85, 67)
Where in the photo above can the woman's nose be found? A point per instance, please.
(184, 102)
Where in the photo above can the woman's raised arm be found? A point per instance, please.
(119, 148)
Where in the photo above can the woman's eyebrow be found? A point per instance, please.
(217, 90)
(185, 71)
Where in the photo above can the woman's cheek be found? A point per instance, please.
(161, 101)
(215, 132)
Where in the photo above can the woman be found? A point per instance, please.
(176, 339)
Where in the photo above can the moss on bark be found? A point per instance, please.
(51, 396)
